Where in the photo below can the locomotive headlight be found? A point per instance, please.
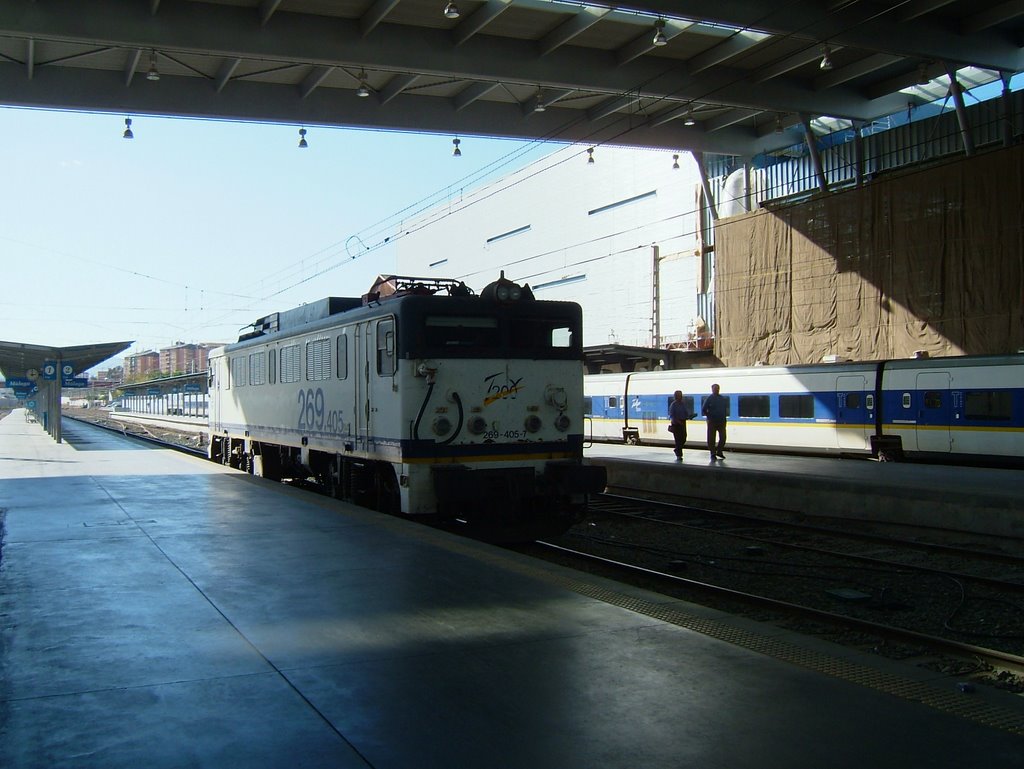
(502, 293)
(562, 422)
(532, 423)
(555, 396)
(442, 426)
(477, 425)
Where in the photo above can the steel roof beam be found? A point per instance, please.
(85, 89)
(859, 25)
(479, 19)
(566, 31)
(221, 31)
(395, 86)
(313, 80)
(375, 15)
(1004, 12)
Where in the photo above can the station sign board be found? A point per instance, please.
(67, 370)
(78, 382)
(49, 370)
(22, 386)
(153, 391)
(192, 387)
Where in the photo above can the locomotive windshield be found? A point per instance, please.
(506, 335)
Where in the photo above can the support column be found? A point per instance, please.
(957, 92)
(812, 148)
(706, 185)
(1006, 109)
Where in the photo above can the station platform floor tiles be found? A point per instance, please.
(972, 499)
(158, 611)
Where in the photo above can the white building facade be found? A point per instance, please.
(619, 235)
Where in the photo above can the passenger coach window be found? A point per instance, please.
(796, 406)
(386, 359)
(318, 360)
(989, 405)
(257, 368)
(852, 401)
(290, 363)
(588, 404)
(343, 357)
(933, 399)
(755, 406)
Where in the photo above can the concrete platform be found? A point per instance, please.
(971, 499)
(157, 610)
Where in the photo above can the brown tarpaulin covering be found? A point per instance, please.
(928, 260)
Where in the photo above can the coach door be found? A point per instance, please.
(854, 412)
(934, 408)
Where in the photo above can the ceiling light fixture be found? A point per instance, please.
(457, 153)
(153, 73)
(590, 156)
(826, 61)
(675, 162)
(451, 11)
(688, 120)
(659, 33)
(363, 90)
(778, 124)
(538, 105)
(302, 139)
(127, 129)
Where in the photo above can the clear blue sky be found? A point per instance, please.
(195, 228)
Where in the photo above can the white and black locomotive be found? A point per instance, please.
(419, 397)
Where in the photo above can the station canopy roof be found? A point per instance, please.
(16, 358)
(721, 76)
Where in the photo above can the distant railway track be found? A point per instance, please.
(152, 432)
(817, 584)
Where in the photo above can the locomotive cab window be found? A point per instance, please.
(852, 401)
(541, 334)
(386, 357)
(613, 402)
(989, 405)
(461, 331)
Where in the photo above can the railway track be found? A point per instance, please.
(899, 599)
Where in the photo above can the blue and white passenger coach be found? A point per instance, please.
(956, 408)
(420, 398)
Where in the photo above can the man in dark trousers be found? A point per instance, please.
(678, 414)
(716, 410)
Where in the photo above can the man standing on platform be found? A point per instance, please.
(678, 413)
(716, 411)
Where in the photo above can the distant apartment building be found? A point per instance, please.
(184, 358)
(141, 365)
